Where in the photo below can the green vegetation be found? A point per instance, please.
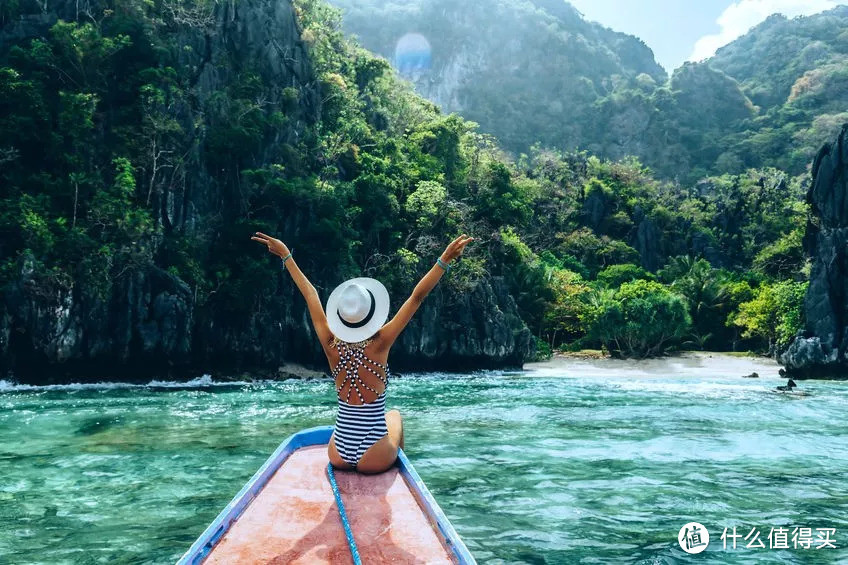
(540, 73)
(103, 127)
(638, 319)
(774, 314)
(627, 255)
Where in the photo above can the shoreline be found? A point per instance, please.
(597, 354)
(706, 364)
(589, 363)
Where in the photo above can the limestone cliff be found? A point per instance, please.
(533, 71)
(526, 71)
(147, 323)
(821, 350)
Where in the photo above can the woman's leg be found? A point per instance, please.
(384, 452)
(379, 457)
(395, 424)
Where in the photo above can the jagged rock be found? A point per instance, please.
(489, 77)
(648, 242)
(477, 329)
(705, 245)
(51, 333)
(711, 98)
(595, 209)
(822, 349)
(298, 371)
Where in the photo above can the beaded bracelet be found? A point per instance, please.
(287, 257)
(442, 264)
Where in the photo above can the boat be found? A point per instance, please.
(298, 509)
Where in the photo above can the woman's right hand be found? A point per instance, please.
(455, 248)
(275, 246)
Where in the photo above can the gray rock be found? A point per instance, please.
(822, 349)
(648, 243)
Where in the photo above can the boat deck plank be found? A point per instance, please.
(295, 519)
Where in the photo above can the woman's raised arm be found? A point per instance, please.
(313, 302)
(391, 330)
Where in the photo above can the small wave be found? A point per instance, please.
(437, 375)
(199, 382)
(700, 388)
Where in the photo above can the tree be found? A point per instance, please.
(563, 319)
(640, 319)
(424, 203)
(705, 294)
(500, 200)
(775, 314)
(615, 275)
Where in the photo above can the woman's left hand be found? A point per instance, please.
(275, 246)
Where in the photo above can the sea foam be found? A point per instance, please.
(198, 382)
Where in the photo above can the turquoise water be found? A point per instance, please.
(531, 467)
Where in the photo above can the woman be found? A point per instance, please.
(366, 437)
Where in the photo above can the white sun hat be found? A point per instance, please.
(357, 308)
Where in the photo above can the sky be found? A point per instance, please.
(691, 30)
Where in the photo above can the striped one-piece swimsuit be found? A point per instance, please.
(358, 426)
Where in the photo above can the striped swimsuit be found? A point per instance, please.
(358, 426)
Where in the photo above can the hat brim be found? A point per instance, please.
(381, 310)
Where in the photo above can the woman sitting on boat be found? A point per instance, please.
(357, 343)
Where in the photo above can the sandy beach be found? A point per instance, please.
(686, 363)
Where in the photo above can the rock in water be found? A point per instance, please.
(821, 350)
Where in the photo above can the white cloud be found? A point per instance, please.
(742, 15)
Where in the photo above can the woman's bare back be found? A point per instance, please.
(373, 377)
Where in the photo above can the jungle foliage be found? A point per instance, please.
(595, 252)
(542, 73)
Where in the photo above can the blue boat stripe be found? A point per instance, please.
(351, 543)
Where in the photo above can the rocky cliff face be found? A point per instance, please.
(773, 55)
(148, 324)
(537, 71)
(150, 328)
(821, 350)
(527, 72)
(478, 329)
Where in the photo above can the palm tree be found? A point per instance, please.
(704, 291)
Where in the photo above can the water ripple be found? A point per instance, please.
(589, 465)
